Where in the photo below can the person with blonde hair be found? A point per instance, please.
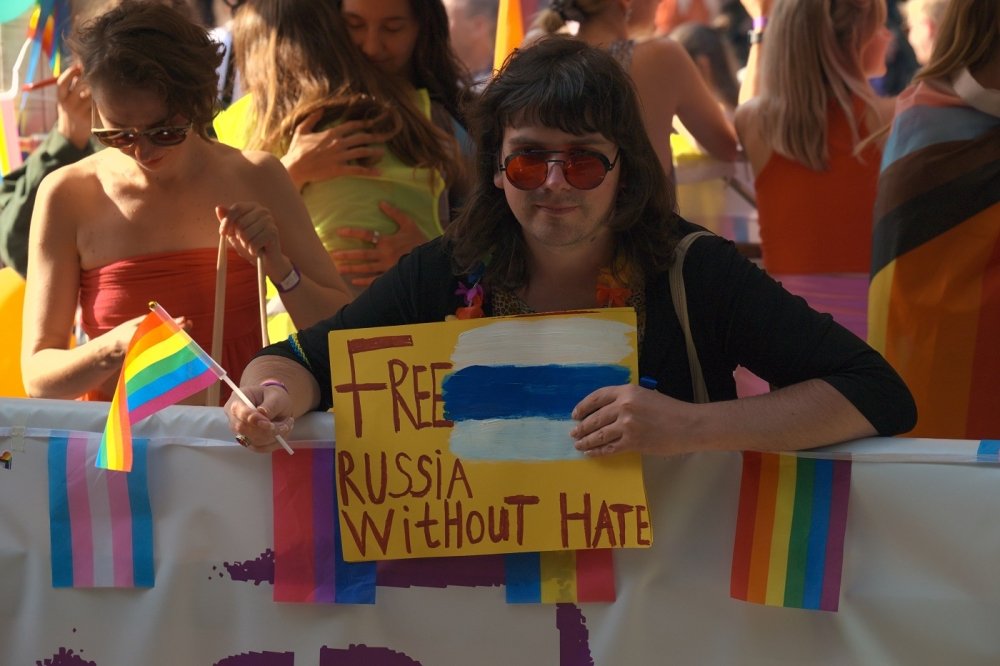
(667, 80)
(934, 304)
(808, 137)
(923, 17)
(141, 220)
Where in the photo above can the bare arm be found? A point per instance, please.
(684, 94)
(50, 369)
(758, 11)
(277, 407)
(278, 227)
(801, 416)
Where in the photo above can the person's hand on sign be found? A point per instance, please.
(630, 418)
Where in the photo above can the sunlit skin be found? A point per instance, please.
(385, 31)
(138, 110)
(565, 228)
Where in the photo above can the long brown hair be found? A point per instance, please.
(295, 56)
(968, 36)
(564, 83)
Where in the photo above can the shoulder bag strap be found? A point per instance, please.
(679, 296)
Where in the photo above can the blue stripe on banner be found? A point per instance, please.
(513, 392)
(142, 516)
(354, 581)
(155, 389)
(60, 532)
(523, 578)
(818, 532)
(989, 450)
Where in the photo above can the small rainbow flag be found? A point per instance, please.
(163, 366)
(100, 523)
(566, 576)
(309, 566)
(789, 544)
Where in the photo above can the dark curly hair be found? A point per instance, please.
(150, 46)
(562, 82)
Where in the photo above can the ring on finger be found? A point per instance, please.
(376, 237)
(242, 440)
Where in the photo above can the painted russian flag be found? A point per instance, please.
(560, 577)
(789, 544)
(308, 558)
(515, 382)
(100, 523)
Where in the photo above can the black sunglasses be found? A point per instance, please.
(583, 169)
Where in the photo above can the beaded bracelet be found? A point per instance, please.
(274, 382)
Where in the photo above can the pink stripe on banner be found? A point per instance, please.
(173, 396)
(121, 528)
(79, 512)
(840, 490)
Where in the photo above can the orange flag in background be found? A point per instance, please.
(510, 30)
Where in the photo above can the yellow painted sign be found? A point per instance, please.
(453, 437)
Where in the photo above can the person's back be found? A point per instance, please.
(934, 308)
(815, 168)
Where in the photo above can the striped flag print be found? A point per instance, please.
(309, 566)
(790, 527)
(101, 528)
(560, 577)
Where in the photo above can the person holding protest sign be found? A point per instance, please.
(570, 212)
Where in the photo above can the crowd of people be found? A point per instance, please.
(366, 158)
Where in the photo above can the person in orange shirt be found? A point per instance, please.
(808, 137)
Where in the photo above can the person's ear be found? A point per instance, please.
(498, 179)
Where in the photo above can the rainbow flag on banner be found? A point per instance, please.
(100, 523)
(163, 366)
(308, 559)
(790, 527)
(560, 576)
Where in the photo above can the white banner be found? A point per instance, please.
(919, 583)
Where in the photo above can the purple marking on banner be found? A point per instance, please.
(362, 655)
(65, 657)
(259, 659)
(260, 570)
(574, 637)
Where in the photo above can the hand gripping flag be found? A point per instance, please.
(163, 366)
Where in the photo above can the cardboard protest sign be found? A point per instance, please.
(453, 437)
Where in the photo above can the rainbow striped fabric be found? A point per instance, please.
(163, 366)
(101, 527)
(510, 30)
(560, 577)
(934, 300)
(790, 526)
(309, 566)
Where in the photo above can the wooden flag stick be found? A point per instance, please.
(212, 399)
(262, 297)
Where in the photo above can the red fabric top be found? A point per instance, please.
(184, 284)
(819, 221)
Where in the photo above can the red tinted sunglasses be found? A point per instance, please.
(583, 169)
